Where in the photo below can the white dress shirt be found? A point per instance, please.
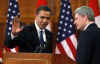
(38, 30)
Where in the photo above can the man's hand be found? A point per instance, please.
(16, 31)
(16, 28)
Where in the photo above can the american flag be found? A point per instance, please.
(66, 39)
(13, 11)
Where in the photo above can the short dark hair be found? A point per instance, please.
(44, 8)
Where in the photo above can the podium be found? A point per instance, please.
(27, 58)
(35, 58)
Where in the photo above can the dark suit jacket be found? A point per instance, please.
(28, 41)
(88, 51)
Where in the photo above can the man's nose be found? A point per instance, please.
(45, 20)
(74, 22)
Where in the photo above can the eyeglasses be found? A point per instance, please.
(43, 17)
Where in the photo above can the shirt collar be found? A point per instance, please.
(88, 25)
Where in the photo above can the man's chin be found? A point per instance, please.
(43, 27)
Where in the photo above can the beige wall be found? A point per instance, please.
(99, 3)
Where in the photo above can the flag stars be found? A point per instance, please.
(68, 12)
(58, 33)
(64, 5)
(66, 24)
(8, 33)
(15, 6)
(57, 39)
(70, 26)
(67, 18)
(62, 16)
(69, 31)
(12, 17)
(9, 28)
(64, 29)
(68, 6)
(10, 4)
(11, 23)
(9, 9)
(63, 10)
(13, 11)
(61, 22)
(63, 35)
(71, 20)
(65, 0)
(7, 15)
(59, 28)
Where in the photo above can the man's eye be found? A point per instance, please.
(48, 18)
(43, 17)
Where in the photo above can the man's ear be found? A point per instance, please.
(85, 17)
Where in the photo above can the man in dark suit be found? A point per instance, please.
(89, 36)
(30, 39)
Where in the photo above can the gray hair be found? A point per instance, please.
(85, 10)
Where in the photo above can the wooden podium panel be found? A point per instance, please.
(27, 58)
(62, 59)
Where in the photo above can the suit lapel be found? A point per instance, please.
(35, 33)
(91, 27)
(47, 35)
